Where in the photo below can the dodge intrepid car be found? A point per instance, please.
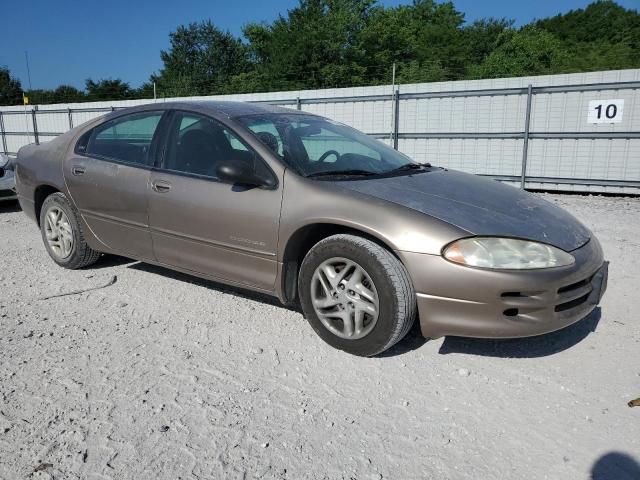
(361, 237)
(7, 179)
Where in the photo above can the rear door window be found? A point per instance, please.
(126, 139)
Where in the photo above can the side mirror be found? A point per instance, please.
(240, 172)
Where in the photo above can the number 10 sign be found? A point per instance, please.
(605, 111)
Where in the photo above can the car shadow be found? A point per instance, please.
(615, 466)
(9, 206)
(109, 260)
(530, 347)
(211, 285)
(413, 341)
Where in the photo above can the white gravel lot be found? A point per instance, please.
(166, 376)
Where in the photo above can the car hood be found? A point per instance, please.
(478, 205)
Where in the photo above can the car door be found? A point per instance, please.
(201, 224)
(108, 177)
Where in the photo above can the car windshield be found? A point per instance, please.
(319, 147)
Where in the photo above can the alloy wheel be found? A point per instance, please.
(58, 232)
(345, 298)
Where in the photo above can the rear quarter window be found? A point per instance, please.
(81, 145)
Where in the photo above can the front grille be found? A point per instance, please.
(576, 285)
(574, 295)
(565, 300)
(572, 304)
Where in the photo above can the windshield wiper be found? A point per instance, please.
(351, 172)
(409, 166)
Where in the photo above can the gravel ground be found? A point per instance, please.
(162, 375)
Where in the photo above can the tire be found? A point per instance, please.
(79, 254)
(383, 275)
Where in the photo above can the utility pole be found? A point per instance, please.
(26, 57)
(393, 109)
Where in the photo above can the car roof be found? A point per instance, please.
(226, 108)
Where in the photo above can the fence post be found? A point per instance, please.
(70, 114)
(35, 126)
(298, 103)
(525, 143)
(396, 117)
(4, 136)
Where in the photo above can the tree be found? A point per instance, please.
(62, 94)
(341, 43)
(600, 20)
(107, 89)
(601, 36)
(10, 88)
(424, 39)
(144, 91)
(68, 94)
(481, 38)
(314, 46)
(201, 61)
(529, 51)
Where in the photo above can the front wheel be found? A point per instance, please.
(62, 235)
(356, 295)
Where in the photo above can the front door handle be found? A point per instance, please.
(78, 170)
(161, 186)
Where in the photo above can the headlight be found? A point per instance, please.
(506, 253)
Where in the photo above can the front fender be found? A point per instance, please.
(307, 202)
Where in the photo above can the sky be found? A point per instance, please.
(69, 40)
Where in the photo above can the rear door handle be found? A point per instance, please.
(78, 170)
(161, 186)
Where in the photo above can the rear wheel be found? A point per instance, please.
(356, 295)
(62, 235)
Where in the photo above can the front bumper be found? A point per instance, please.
(7, 186)
(471, 302)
